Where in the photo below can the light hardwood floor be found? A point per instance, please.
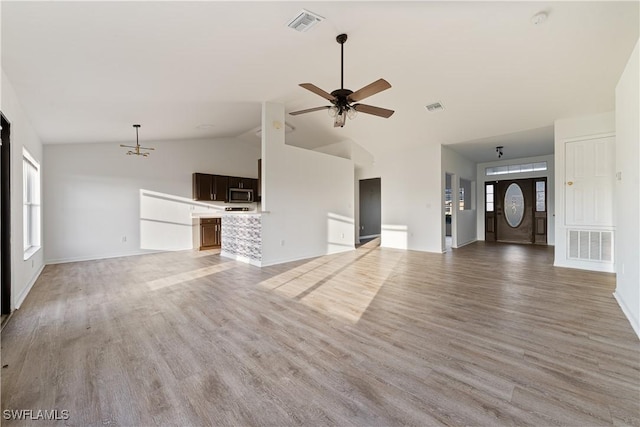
(488, 334)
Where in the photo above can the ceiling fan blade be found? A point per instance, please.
(315, 89)
(371, 89)
(376, 111)
(309, 110)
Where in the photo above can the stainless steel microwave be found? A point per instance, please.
(240, 195)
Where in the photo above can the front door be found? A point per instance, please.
(517, 212)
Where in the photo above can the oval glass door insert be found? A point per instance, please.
(514, 205)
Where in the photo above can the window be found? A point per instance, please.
(541, 200)
(525, 167)
(31, 200)
(489, 190)
(447, 201)
(465, 193)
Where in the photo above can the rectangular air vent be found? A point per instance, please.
(436, 106)
(304, 21)
(591, 245)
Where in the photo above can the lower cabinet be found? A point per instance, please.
(210, 233)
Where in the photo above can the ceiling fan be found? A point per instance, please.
(343, 99)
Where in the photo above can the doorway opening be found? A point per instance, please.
(516, 211)
(448, 212)
(5, 217)
(370, 209)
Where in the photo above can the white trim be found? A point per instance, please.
(465, 244)
(635, 324)
(586, 265)
(370, 236)
(284, 260)
(27, 289)
(30, 158)
(95, 258)
(31, 252)
(241, 258)
(588, 137)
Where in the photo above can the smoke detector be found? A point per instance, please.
(304, 20)
(539, 18)
(436, 106)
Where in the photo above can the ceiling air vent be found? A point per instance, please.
(436, 106)
(304, 21)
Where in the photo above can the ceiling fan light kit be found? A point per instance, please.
(137, 149)
(343, 100)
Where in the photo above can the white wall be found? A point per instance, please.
(602, 124)
(551, 189)
(96, 195)
(412, 197)
(23, 273)
(308, 195)
(463, 223)
(627, 205)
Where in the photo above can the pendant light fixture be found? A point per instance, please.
(137, 150)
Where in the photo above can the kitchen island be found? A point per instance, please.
(242, 236)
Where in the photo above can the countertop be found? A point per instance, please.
(219, 214)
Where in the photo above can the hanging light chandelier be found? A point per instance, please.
(137, 149)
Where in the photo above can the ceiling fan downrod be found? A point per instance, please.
(342, 38)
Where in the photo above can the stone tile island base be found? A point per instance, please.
(242, 237)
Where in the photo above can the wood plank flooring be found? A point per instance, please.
(485, 335)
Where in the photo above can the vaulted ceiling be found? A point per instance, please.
(86, 71)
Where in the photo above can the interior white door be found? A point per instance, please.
(589, 182)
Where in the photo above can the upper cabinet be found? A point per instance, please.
(220, 188)
(202, 186)
(238, 182)
(207, 187)
(210, 187)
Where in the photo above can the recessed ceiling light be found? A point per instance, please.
(436, 106)
(539, 18)
(304, 20)
(205, 126)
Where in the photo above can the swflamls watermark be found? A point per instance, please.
(36, 414)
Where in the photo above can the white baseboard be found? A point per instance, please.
(303, 257)
(98, 257)
(26, 290)
(370, 236)
(635, 324)
(241, 258)
(464, 244)
(589, 266)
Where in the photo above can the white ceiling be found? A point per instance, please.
(86, 71)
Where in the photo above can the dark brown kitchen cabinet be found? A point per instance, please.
(238, 182)
(210, 187)
(220, 188)
(210, 233)
(202, 186)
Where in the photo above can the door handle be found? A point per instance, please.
(570, 183)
